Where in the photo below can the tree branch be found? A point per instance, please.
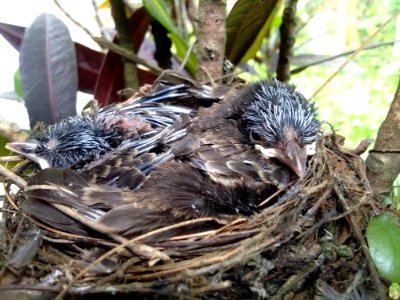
(211, 38)
(330, 58)
(383, 162)
(125, 40)
(288, 32)
(97, 17)
(104, 43)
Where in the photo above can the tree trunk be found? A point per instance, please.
(211, 34)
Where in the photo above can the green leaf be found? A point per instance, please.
(158, 10)
(383, 235)
(244, 25)
(18, 84)
(181, 50)
(272, 22)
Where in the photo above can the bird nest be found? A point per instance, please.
(307, 240)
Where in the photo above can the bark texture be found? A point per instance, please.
(288, 33)
(211, 34)
(383, 162)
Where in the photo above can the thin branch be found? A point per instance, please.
(97, 17)
(351, 57)
(104, 43)
(124, 39)
(127, 54)
(379, 287)
(21, 183)
(69, 16)
(327, 59)
(288, 31)
(186, 58)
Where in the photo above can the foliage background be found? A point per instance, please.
(357, 100)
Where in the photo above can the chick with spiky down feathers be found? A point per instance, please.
(140, 124)
(232, 157)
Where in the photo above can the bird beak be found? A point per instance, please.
(292, 156)
(296, 158)
(28, 150)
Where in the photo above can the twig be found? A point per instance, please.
(327, 59)
(174, 226)
(364, 248)
(212, 287)
(13, 177)
(10, 158)
(136, 248)
(185, 59)
(97, 17)
(288, 31)
(351, 57)
(275, 194)
(20, 287)
(295, 280)
(222, 260)
(69, 16)
(127, 54)
(117, 249)
(12, 244)
(104, 43)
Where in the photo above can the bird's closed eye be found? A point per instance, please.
(254, 137)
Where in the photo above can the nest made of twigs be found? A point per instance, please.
(308, 235)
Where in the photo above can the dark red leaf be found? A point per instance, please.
(89, 65)
(47, 64)
(138, 25)
(111, 80)
(13, 34)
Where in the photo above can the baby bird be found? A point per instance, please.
(135, 124)
(233, 155)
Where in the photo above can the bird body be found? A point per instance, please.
(228, 159)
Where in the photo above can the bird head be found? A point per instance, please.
(282, 124)
(63, 144)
